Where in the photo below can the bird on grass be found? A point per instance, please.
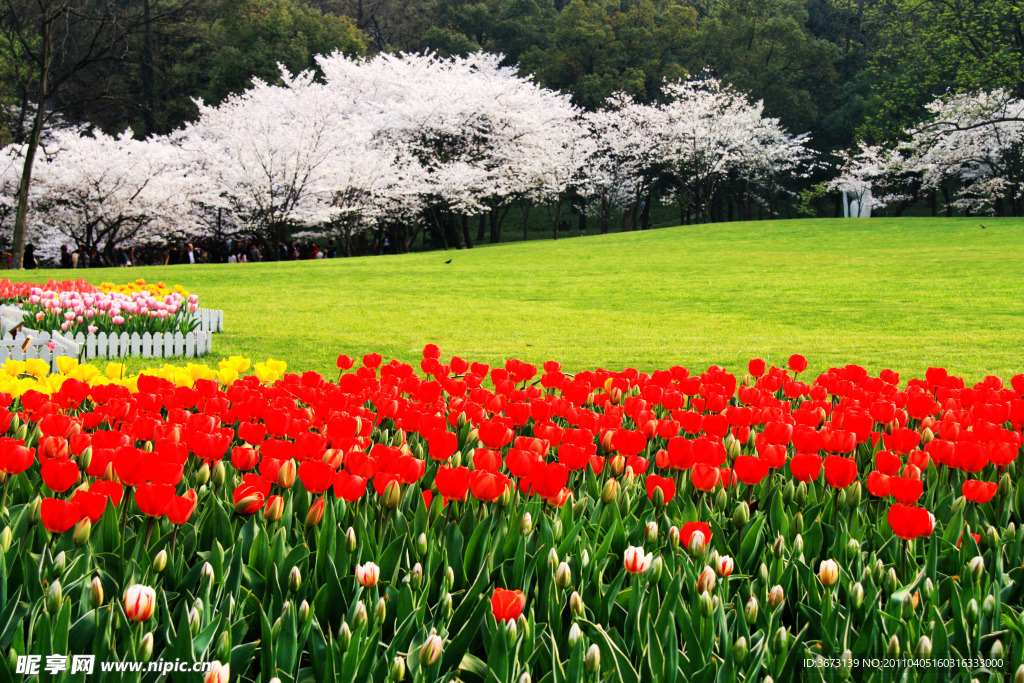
(982, 227)
(448, 261)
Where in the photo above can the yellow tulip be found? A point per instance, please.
(37, 367)
(115, 370)
(265, 373)
(14, 367)
(65, 364)
(227, 376)
(85, 372)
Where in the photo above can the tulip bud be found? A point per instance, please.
(924, 648)
(618, 465)
(315, 513)
(988, 606)
(526, 524)
(576, 604)
(146, 647)
(447, 607)
(741, 515)
(360, 616)
(857, 595)
(206, 573)
(219, 474)
(575, 635)
(907, 607)
(695, 546)
(416, 576)
(54, 597)
(223, 649)
(344, 636)
(397, 669)
(798, 523)
(274, 509)
(705, 604)
(750, 611)
(195, 621)
(853, 494)
(203, 475)
(585, 559)
(732, 448)
(350, 540)
(552, 558)
(430, 652)
(305, 612)
(893, 647)
(1009, 533)
(392, 497)
(828, 573)
(721, 498)
(776, 597)
(294, 580)
(658, 498)
(798, 545)
(762, 574)
(725, 566)
(95, 592)
(511, 632)
(6, 537)
(609, 491)
(801, 494)
(380, 612)
(160, 561)
(654, 572)
(35, 510)
(780, 642)
(972, 611)
(977, 568)
(421, 545)
(779, 546)
(673, 537)
(739, 650)
(892, 582)
(788, 493)
(1005, 487)
(1019, 676)
(592, 660)
(563, 575)
(449, 578)
(525, 678)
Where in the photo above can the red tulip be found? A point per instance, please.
(507, 605)
(344, 362)
(840, 472)
(442, 445)
(878, 484)
(59, 475)
(756, 367)
(484, 459)
(317, 476)
(180, 509)
(453, 483)
(372, 360)
(58, 516)
(348, 486)
(154, 499)
(666, 484)
(14, 457)
(704, 477)
(488, 486)
(906, 490)
(244, 458)
(750, 470)
(979, 491)
(910, 522)
(805, 467)
(797, 363)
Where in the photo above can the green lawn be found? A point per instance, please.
(898, 293)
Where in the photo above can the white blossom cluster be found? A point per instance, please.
(969, 145)
(390, 138)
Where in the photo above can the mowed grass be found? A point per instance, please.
(899, 293)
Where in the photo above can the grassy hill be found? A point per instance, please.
(898, 293)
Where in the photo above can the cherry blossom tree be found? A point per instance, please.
(98, 191)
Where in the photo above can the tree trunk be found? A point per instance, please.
(21, 215)
(526, 221)
(645, 215)
(465, 232)
(495, 226)
(481, 229)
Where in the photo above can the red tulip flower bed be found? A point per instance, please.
(519, 523)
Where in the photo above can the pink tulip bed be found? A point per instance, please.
(456, 521)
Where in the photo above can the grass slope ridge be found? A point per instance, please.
(899, 293)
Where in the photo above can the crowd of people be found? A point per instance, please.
(207, 250)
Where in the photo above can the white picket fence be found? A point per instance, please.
(26, 344)
(210, 320)
(195, 343)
